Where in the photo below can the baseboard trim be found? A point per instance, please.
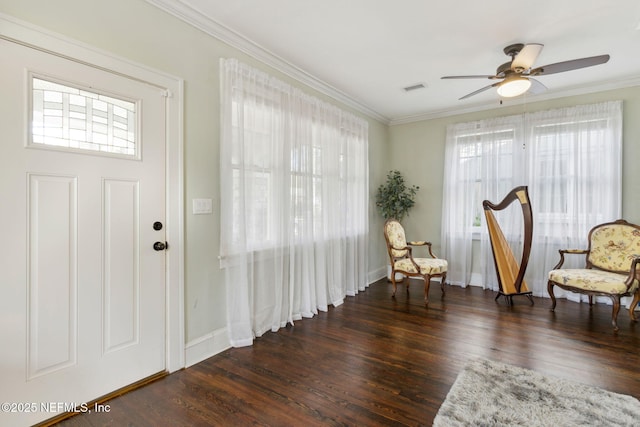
(206, 346)
(377, 274)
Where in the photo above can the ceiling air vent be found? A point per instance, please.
(415, 87)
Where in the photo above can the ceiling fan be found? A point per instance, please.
(516, 75)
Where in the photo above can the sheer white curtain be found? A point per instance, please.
(575, 181)
(483, 161)
(570, 159)
(294, 199)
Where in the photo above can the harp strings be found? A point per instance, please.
(510, 272)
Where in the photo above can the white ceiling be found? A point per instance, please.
(364, 52)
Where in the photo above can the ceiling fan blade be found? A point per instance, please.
(536, 87)
(479, 90)
(574, 64)
(526, 57)
(470, 77)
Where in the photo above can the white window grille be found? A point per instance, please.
(74, 118)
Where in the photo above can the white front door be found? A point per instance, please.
(82, 180)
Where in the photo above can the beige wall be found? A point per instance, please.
(418, 151)
(137, 31)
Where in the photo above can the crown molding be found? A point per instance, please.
(213, 28)
(572, 91)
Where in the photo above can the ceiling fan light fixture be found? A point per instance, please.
(514, 86)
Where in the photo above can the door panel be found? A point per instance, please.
(121, 266)
(83, 301)
(52, 274)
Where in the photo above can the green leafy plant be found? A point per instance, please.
(394, 198)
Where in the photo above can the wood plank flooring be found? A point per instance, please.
(376, 361)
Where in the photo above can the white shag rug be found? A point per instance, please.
(488, 393)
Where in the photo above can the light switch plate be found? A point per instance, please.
(202, 206)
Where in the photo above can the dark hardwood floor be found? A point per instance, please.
(379, 361)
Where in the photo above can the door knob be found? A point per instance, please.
(159, 246)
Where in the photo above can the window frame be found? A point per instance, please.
(30, 114)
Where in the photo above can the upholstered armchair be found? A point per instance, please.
(402, 260)
(611, 267)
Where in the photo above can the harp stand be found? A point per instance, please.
(510, 274)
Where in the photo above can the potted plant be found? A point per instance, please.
(394, 197)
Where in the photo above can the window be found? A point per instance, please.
(473, 148)
(77, 119)
(568, 171)
(571, 161)
(276, 174)
(253, 169)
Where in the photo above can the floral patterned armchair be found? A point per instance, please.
(611, 267)
(403, 262)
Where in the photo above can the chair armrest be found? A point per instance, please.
(423, 243)
(419, 243)
(409, 255)
(403, 248)
(633, 271)
(569, 251)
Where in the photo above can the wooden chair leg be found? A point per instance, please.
(553, 297)
(444, 278)
(427, 282)
(634, 304)
(616, 309)
(393, 282)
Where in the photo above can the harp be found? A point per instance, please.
(510, 273)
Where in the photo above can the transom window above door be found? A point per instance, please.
(77, 119)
